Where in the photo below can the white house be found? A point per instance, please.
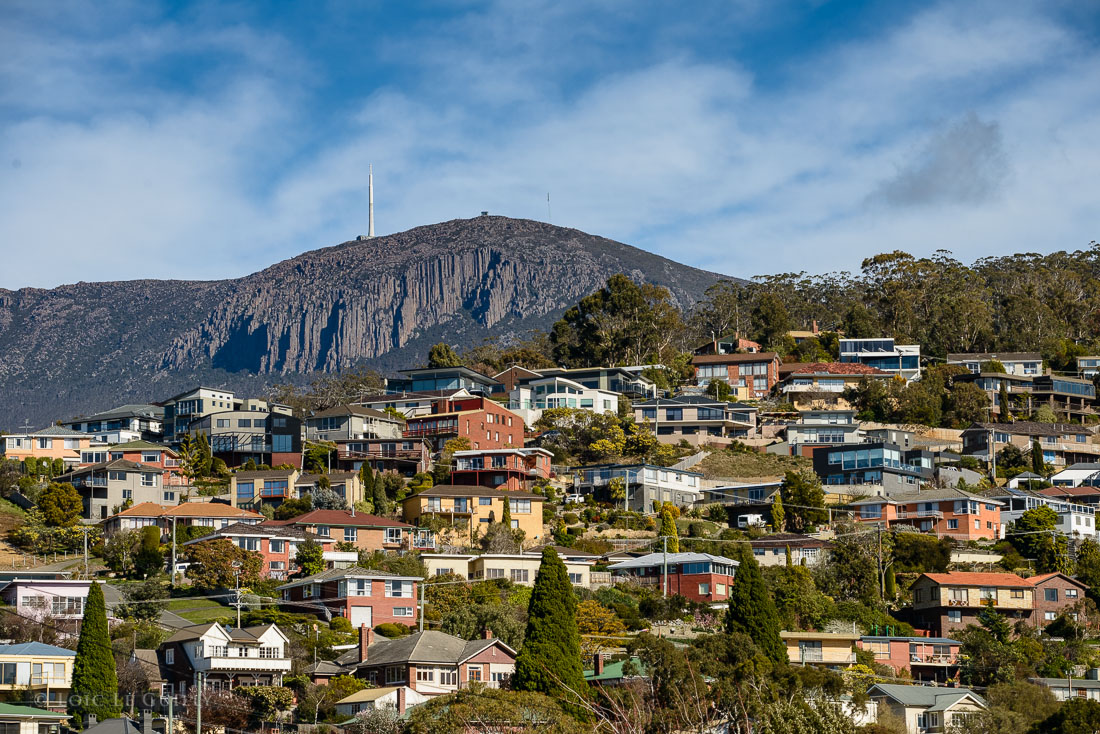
(1015, 363)
(535, 396)
(1075, 475)
(399, 698)
(1073, 519)
(644, 484)
(519, 568)
(927, 709)
(41, 598)
(227, 657)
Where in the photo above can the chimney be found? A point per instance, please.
(401, 700)
(814, 326)
(146, 722)
(366, 637)
(353, 510)
(486, 634)
(597, 664)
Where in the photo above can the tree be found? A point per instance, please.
(1005, 402)
(1045, 414)
(550, 660)
(1035, 535)
(119, 551)
(325, 498)
(1079, 716)
(1037, 464)
(803, 500)
(95, 681)
(798, 603)
(61, 505)
(890, 587)
(771, 322)
(149, 559)
(851, 573)
(493, 711)
(1088, 565)
(142, 601)
(320, 699)
(778, 515)
(599, 627)
(293, 507)
(366, 478)
(378, 498)
(751, 610)
(668, 530)
(919, 553)
(442, 355)
(212, 564)
(310, 557)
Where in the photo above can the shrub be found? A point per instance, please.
(340, 624)
(392, 630)
(570, 518)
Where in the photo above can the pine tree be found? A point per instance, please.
(778, 513)
(1037, 464)
(95, 682)
(891, 584)
(1006, 406)
(550, 660)
(668, 530)
(378, 495)
(789, 556)
(752, 611)
(506, 514)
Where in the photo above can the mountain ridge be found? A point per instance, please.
(376, 302)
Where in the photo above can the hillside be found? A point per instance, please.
(380, 303)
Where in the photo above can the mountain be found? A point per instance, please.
(382, 302)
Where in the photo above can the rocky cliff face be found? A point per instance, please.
(90, 346)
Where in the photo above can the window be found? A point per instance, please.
(519, 575)
(473, 673)
(402, 611)
(150, 457)
(1050, 594)
(399, 589)
(282, 443)
(245, 490)
(448, 677)
(576, 578)
(169, 496)
(954, 615)
(1071, 593)
(67, 605)
(870, 511)
(277, 546)
(269, 652)
(148, 479)
(357, 587)
(278, 565)
(482, 501)
(170, 656)
(809, 650)
(1050, 616)
(395, 674)
(47, 673)
(248, 544)
(425, 674)
(704, 589)
(393, 535)
(952, 524)
(323, 531)
(520, 507)
(221, 423)
(351, 535)
(45, 443)
(1017, 593)
(127, 494)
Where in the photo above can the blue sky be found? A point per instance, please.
(209, 140)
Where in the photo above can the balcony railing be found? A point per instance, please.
(920, 513)
(379, 454)
(930, 659)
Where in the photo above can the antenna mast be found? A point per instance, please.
(549, 219)
(370, 197)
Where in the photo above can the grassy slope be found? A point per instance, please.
(754, 465)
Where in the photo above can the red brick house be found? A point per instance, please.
(1054, 592)
(756, 372)
(363, 596)
(501, 468)
(924, 658)
(700, 577)
(487, 424)
(947, 602)
(431, 663)
(277, 545)
(950, 513)
(368, 532)
(406, 456)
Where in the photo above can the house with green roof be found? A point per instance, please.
(927, 709)
(27, 720)
(615, 672)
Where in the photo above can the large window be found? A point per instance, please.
(67, 605)
(519, 575)
(393, 535)
(246, 490)
(351, 535)
(7, 674)
(519, 507)
(282, 443)
(399, 589)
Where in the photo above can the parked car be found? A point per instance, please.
(574, 498)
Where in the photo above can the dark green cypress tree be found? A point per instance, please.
(95, 682)
(1037, 464)
(550, 660)
(366, 477)
(752, 611)
(1006, 404)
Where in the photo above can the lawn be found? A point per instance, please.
(750, 465)
(201, 610)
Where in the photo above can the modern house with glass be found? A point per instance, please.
(1074, 519)
(641, 485)
(1088, 367)
(532, 397)
(239, 435)
(902, 360)
(885, 464)
(1062, 444)
(429, 379)
(697, 419)
(817, 428)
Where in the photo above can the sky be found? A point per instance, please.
(209, 140)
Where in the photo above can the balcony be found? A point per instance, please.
(930, 659)
(920, 514)
(245, 665)
(90, 482)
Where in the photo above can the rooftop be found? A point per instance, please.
(349, 518)
(359, 410)
(428, 646)
(1032, 428)
(932, 698)
(836, 368)
(35, 648)
(733, 358)
(965, 578)
(658, 559)
(450, 490)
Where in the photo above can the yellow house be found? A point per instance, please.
(476, 506)
(519, 568)
(45, 670)
(827, 649)
(52, 442)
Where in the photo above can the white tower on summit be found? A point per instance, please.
(370, 197)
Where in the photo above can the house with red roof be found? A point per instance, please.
(948, 602)
(201, 514)
(277, 545)
(757, 373)
(367, 532)
(362, 596)
(821, 385)
(1054, 593)
(486, 423)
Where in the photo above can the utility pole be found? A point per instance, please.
(664, 584)
(881, 579)
(174, 553)
(421, 610)
(86, 529)
(237, 576)
(198, 705)
(171, 715)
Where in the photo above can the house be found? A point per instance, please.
(346, 484)
(399, 698)
(1084, 495)
(485, 423)
(1024, 364)
(805, 550)
(832, 650)
(251, 489)
(428, 379)
(948, 602)
(45, 672)
(346, 422)
(227, 657)
(643, 484)
(728, 344)
(143, 421)
(1088, 367)
(821, 385)
(1086, 473)
(61, 599)
(700, 577)
(431, 663)
(613, 673)
(697, 419)
(108, 487)
(1073, 519)
(236, 436)
(406, 456)
(472, 506)
(212, 515)
(180, 411)
(1072, 398)
(817, 428)
(1062, 444)
(900, 360)
(501, 468)
(360, 595)
(534, 395)
(926, 659)
(519, 568)
(409, 403)
(758, 373)
(884, 464)
(16, 719)
(1054, 593)
(146, 453)
(277, 545)
(946, 513)
(147, 724)
(927, 709)
(367, 532)
(623, 380)
(1065, 689)
(52, 442)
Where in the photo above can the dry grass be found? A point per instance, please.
(750, 465)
